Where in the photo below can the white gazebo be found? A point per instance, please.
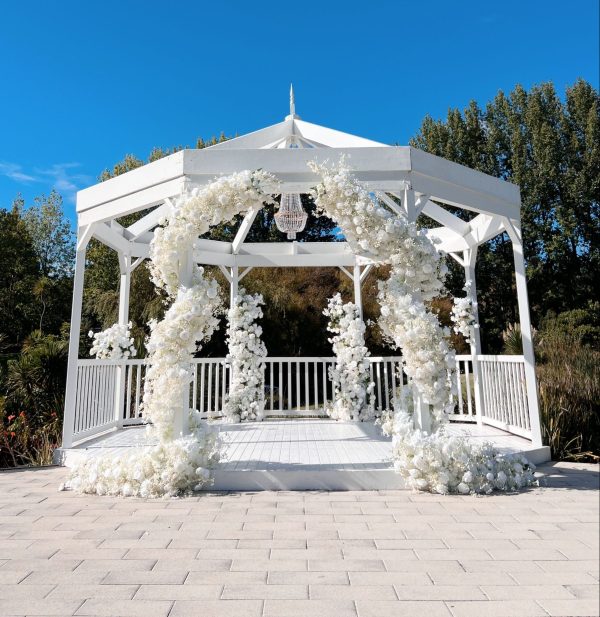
(497, 394)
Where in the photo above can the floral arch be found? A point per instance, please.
(375, 205)
(185, 448)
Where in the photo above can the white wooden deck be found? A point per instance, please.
(304, 454)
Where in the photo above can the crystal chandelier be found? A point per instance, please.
(291, 217)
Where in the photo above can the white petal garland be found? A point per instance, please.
(434, 462)
(114, 343)
(176, 465)
(246, 399)
(351, 376)
(417, 272)
(463, 314)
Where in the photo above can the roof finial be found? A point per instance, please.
(292, 101)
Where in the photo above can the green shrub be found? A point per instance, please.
(31, 410)
(569, 393)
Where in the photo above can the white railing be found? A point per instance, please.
(504, 393)
(465, 400)
(293, 386)
(110, 392)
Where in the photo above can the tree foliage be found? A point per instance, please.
(551, 149)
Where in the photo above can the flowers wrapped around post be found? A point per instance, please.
(463, 314)
(114, 343)
(176, 463)
(351, 376)
(246, 399)
(436, 462)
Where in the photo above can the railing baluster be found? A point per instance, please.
(468, 389)
(306, 386)
(280, 385)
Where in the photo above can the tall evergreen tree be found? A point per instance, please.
(551, 149)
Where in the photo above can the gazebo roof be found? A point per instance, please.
(408, 180)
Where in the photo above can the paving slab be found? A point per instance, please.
(305, 553)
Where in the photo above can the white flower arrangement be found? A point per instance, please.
(164, 469)
(463, 314)
(351, 377)
(435, 462)
(442, 463)
(417, 273)
(114, 343)
(177, 464)
(246, 399)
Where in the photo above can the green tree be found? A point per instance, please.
(551, 149)
(19, 270)
(51, 234)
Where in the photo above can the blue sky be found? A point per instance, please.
(84, 83)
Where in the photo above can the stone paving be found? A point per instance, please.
(304, 554)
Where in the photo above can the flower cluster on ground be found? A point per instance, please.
(177, 462)
(351, 376)
(246, 399)
(463, 314)
(441, 463)
(114, 343)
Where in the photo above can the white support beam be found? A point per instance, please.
(357, 290)
(136, 263)
(514, 231)
(365, 273)
(449, 220)
(470, 261)
(347, 273)
(243, 274)
(226, 273)
(388, 201)
(234, 278)
(111, 237)
(83, 237)
(458, 258)
(131, 202)
(242, 232)
(151, 220)
(420, 202)
(408, 202)
(124, 293)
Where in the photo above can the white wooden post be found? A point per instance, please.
(357, 290)
(470, 259)
(409, 205)
(83, 237)
(233, 288)
(514, 232)
(181, 423)
(121, 371)
(422, 413)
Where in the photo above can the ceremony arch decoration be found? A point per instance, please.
(407, 181)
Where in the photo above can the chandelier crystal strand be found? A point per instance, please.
(291, 217)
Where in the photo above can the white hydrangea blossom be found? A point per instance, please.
(351, 377)
(164, 469)
(463, 314)
(175, 465)
(246, 399)
(442, 463)
(114, 343)
(417, 273)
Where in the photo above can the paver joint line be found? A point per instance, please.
(355, 553)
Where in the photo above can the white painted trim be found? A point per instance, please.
(242, 232)
(150, 220)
